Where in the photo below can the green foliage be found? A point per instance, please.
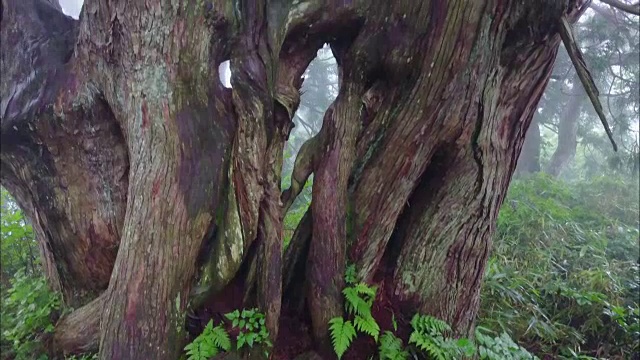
(359, 299)
(500, 347)
(350, 275)
(213, 340)
(563, 277)
(252, 328)
(429, 336)
(18, 248)
(28, 309)
(342, 334)
(391, 347)
(209, 343)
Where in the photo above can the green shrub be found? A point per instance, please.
(252, 333)
(28, 311)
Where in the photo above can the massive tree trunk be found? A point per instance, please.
(151, 184)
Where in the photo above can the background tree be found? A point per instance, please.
(609, 40)
(153, 189)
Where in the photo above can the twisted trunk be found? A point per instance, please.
(150, 182)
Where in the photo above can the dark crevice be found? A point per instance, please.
(477, 152)
(419, 203)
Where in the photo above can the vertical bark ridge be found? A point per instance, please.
(177, 153)
(379, 197)
(326, 260)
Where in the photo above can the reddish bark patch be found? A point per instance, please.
(156, 188)
(133, 299)
(100, 264)
(145, 115)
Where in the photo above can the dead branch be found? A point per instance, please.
(566, 33)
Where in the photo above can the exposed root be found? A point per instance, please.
(79, 332)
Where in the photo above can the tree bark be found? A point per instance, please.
(149, 180)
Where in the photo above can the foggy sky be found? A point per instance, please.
(71, 7)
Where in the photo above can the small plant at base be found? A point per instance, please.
(500, 347)
(391, 347)
(359, 299)
(252, 329)
(209, 343)
(428, 336)
(342, 334)
(213, 340)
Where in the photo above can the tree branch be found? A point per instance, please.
(566, 33)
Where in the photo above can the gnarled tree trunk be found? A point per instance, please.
(151, 183)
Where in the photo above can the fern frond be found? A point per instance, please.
(427, 344)
(364, 289)
(355, 304)
(342, 334)
(391, 347)
(368, 325)
(350, 275)
(221, 338)
(429, 325)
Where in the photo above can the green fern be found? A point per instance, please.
(367, 325)
(359, 299)
(432, 346)
(391, 347)
(342, 334)
(350, 275)
(355, 304)
(429, 325)
(368, 292)
(209, 343)
(429, 336)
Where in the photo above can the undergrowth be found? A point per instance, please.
(562, 282)
(563, 277)
(252, 335)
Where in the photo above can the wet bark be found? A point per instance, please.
(148, 180)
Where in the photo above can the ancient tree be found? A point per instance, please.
(153, 189)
